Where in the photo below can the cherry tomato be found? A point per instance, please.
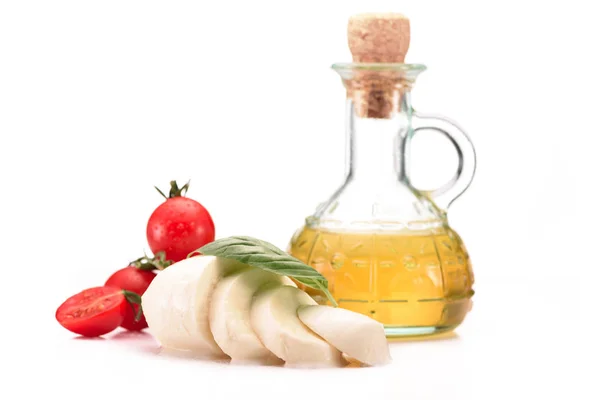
(179, 226)
(135, 280)
(93, 312)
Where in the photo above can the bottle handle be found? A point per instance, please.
(451, 190)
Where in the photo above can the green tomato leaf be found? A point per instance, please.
(134, 299)
(260, 254)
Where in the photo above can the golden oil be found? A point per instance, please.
(413, 283)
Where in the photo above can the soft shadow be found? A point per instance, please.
(354, 363)
(438, 336)
(195, 357)
(131, 335)
(186, 355)
(85, 338)
(271, 362)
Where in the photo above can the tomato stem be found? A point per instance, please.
(145, 263)
(175, 190)
(134, 299)
(160, 191)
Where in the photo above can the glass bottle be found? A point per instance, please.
(386, 247)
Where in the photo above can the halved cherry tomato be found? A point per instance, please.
(93, 312)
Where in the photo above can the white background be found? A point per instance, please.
(100, 101)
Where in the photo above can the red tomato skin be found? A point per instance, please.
(178, 227)
(98, 321)
(137, 281)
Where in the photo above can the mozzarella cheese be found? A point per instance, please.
(274, 318)
(230, 314)
(356, 335)
(177, 302)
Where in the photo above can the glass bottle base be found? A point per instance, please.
(392, 331)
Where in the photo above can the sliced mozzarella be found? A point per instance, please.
(356, 335)
(176, 304)
(274, 318)
(230, 314)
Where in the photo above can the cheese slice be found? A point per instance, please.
(177, 302)
(274, 318)
(230, 314)
(356, 335)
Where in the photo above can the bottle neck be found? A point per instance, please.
(375, 146)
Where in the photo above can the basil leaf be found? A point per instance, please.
(264, 255)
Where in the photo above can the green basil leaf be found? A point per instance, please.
(260, 254)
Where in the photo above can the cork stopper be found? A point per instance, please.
(378, 39)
